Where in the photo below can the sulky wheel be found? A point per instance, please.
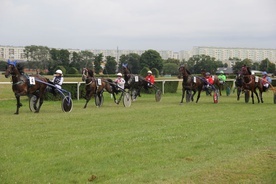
(32, 104)
(158, 95)
(126, 99)
(246, 96)
(67, 104)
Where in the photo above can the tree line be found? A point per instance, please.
(49, 60)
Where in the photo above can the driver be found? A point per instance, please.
(120, 82)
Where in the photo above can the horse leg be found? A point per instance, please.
(238, 94)
(252, 96)
(39, 105)
(87, 97)
(261, 95)
(18, 104)
(198, 95)
(183, 94)
(257, 95)
(194, 92)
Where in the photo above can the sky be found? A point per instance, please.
(138, 24)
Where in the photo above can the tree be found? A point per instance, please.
(37, 56)
(199, 62)
(132, 60)
(110, 65)
(266, 65)
(238, 65)
(87, 58)
(97, 63)
(170, 69)
(171, 60)
(151, 59)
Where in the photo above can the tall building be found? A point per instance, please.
(220, 53)
(224, 53)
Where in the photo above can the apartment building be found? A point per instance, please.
(220, 53)
(224, 53)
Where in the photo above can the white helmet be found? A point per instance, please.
(119, 74)
(149, 72)
(59, 72)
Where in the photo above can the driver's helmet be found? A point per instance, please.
(207, 74)
(59, 72)
(149, 72)
(119, 74)
(264, 73)
(221, 72)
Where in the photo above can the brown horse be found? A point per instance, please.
(25, 85)
(96, 86)
(217, 83)
(251, 83)
(190, 83)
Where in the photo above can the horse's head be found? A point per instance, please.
(84, 74)
(11, 69)
(183, 72)
(244, 71)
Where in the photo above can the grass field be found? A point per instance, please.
(149, 142)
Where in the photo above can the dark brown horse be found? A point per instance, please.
(190, 83)
(251, 83)
(96, 86)
(25, 85)
(133, 82)
(238, 85)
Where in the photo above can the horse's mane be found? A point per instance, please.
(20, 67)
(188, 71)
(90, 73)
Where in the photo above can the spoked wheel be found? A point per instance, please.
(32, 104)
(158, 95)
(246, 96)
(99, 100)
(67, 104)
(188, 96)
(216, 96)
(126, 99)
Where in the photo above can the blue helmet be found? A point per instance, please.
(264, 73)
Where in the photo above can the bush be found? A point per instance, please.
(155, 72)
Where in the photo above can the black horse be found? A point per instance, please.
(23, 84)
(134, 83)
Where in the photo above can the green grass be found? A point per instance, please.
(150, 142)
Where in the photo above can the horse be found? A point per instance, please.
(238, 85)
(190, 83)
(134, 83)
(23, 84)
(216, 83)
(251, 83)
(96, 86)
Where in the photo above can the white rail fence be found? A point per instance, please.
(163, 84)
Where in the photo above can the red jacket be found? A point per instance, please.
(150, 79)
(210, 80)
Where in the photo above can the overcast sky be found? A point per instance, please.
(138, 24)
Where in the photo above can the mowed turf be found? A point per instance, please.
(149, 142)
